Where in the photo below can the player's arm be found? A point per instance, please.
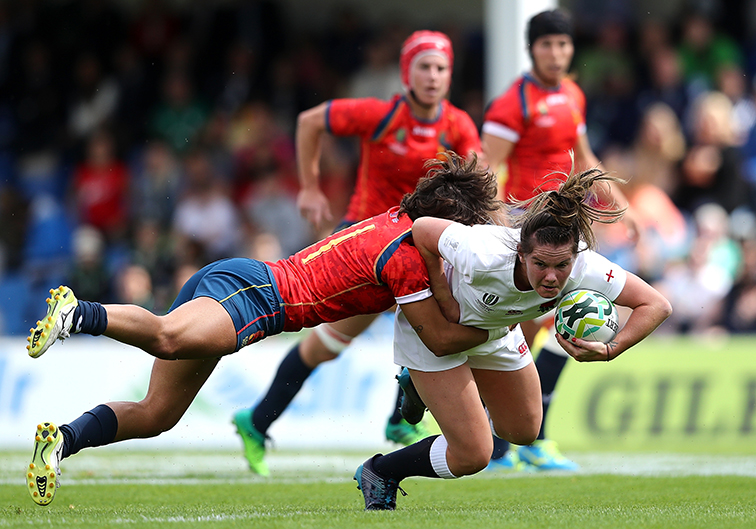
(496, 152)
(433, 262)
(649, 310)
(311, 201)
(438, 334)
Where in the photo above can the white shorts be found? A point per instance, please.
(509, 353)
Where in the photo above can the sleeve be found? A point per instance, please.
(580, 105)
(406, 275)
(462, 249)
(504, 118)
(600, 274)
(354, 117)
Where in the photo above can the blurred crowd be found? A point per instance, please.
(138, 144)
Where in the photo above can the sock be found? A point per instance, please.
(396, 417)
(412, 460)
(500, 447)
(90, 317)
(286, 384)
(97, 427)
(549, 366)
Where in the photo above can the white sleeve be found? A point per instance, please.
(454, 245)
(600, 274)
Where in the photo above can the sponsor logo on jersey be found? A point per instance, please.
(426, 132)
(546, 307)
(556, 99)
(401, 135)
(544, 121)
(451, 244)
(522, 348)
(542, 108)
(398, 148)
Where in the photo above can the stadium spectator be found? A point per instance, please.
(217, 312)
(396, 138)
(100, 188)
(514, 272)
(712, 168)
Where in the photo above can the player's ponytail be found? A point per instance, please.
(565, 215)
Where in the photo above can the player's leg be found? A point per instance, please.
(199, 328)
(325, 343)
(513, 400)
(173, 386)
(463, 448)
(544, 453)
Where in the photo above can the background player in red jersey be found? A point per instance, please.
(532, 130)
(232, 303)
(396, 138)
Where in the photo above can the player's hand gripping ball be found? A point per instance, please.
(588, 315)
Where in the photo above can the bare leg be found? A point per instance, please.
(453, 399)
(200, 328)
(173, 386)
(513, 399)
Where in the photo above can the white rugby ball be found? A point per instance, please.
(586, 314)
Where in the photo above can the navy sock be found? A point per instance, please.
(549, 366)
(96, 427)
(500, 447)
(90, 317)
(396, 417)
(286, 384)
(412, 460)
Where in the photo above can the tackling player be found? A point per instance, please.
(232, 303)
(396, 138)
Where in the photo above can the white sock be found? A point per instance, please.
(438, 458)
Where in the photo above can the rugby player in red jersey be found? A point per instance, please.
(396, 138)
(229, 304)
(532, 130)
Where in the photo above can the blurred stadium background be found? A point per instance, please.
(117, 117)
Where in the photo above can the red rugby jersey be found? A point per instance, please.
(394, 146)
(544, 124)
(363, 269)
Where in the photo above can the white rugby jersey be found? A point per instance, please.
(479, 265)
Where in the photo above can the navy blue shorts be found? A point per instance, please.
(247, 290)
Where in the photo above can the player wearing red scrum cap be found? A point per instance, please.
(396, 138)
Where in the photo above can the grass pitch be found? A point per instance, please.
(109, 488)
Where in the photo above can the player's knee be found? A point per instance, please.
(165, 344)
(155, 420)
(472, 458)
(322, 345)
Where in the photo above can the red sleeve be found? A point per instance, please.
(355, 117)
(405, 272)
(507, 110)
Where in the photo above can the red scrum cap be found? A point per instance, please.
(420, 44)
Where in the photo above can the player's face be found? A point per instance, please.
(547, 268)
(430, 78)
(552, 55)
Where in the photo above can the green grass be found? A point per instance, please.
(115, 489)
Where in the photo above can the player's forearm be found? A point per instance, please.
(308, 142)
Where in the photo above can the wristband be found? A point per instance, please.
(607, 352)
(495, 334)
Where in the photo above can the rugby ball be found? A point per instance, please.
(586, 314)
